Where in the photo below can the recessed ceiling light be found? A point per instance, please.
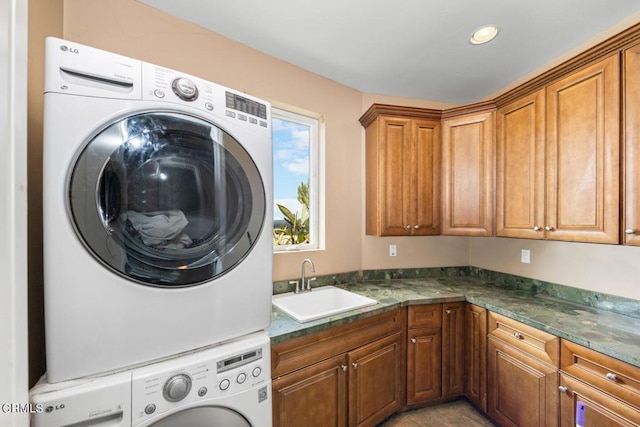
(484, 34)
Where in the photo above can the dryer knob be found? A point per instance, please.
(185, 89)
(177, 387)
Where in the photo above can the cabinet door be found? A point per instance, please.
(520, 171)
(522, 391)
(475, 368)
(425, 178)
(467, 173)
(313, 396)
(631, 216)
(582, 155)
(388, 170)
(452, 349)
(601, 409)
(376, 381)
(424, 373)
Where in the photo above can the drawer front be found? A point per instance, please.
(424, 316)
(532, 341)
(613, 376)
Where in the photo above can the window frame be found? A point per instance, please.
(315, 122)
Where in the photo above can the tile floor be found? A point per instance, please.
(451, 414)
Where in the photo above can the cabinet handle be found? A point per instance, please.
(537, 228)
(449, 311)
(413, 340)
(548, 228)
(562, 389)
(611, 376)
(517, 335)
(344, 367)
(416, 226)
(355, 365)
(629, 231)
(408, 227)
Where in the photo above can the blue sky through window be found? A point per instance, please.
(290, 163)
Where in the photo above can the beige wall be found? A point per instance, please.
(611, 269)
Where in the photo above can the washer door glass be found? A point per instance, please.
(166, 199)
(206, 416)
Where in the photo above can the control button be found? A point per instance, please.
(224, 384)
(150, 409)
(256, 371)
(202, 391)
(177, 387)
(253, 120)
(231, 114)
(208, 106)
(242, 377)
(263, 123)
(158, 93)
(242, 117)
(185, 89)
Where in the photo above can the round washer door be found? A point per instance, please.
(205, 416)
(166, 199)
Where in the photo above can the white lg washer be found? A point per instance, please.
(157, 212)
(224, 386)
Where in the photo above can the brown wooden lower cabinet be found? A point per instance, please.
(475, 360)
(424, 373)
(313, 396)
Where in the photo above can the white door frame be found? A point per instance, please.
(14, 377)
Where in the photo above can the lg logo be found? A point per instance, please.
(69, 49)
(49, 409)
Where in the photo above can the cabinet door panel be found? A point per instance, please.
(394, 188)
(313, 396)
(424, 374)
(632, 147)
(425, 159)
(376, 383)
(467, 154)
(601, 409)
(475, 369)
(452, 349)
(520, 168)
(522, 391)
(582, 155)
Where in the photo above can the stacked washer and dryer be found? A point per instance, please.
(157, 246)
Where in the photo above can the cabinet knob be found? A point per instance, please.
(517, 335)
(416, 226)
(344, 367)
(449, 311)
(548, 228)
(611, 376)
(355, 365)
(413, 340)
(562, 389)
(629, 231)
(408, 227)
(537, 228)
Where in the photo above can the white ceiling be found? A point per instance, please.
(409, 48)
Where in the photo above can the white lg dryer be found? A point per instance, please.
(157, 212)
(223, 386)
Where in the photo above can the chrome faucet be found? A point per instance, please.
(301, 286)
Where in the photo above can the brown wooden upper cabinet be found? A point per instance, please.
(467, 174)
(631, 193)
(558, 159)
(402, 171)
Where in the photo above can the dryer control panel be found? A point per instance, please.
(199, 377)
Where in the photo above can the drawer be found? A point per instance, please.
(424, 316)
(537, 343)
(613, 376)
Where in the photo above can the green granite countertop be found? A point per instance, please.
(613, 334)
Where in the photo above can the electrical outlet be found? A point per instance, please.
(525, 256)
(393, 250)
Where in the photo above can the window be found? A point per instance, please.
(295, 180)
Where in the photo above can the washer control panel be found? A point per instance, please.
(198, 377)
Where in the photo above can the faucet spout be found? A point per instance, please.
(313, 270)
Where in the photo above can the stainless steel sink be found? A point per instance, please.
(321, 302)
